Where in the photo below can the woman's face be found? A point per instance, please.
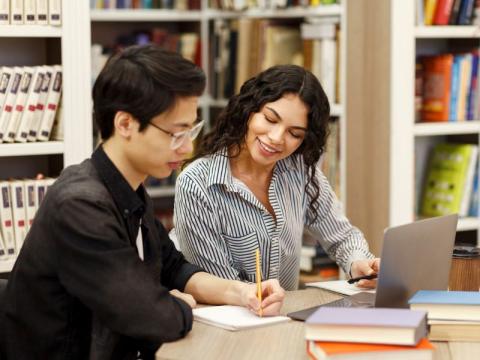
(277, 130)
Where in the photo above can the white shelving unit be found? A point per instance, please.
(32, 46)
(395, 155)
(112, 19)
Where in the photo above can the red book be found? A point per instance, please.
(442, 12)
(437, 75)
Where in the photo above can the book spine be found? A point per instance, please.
(55, 12)
(4, 12)
(442, 12)
(51, 105)
(466, 12)
(5, 77)
(42, 12)
(42, 98)
(20, 101)
(10, 102)
(18, 213)
(30, 202)
(16, 11)
(455, 12)
(31, 106)
(30, 13)
(430, 6)
(6, 218)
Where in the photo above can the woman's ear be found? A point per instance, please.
(124, 124)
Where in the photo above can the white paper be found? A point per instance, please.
(340, 286)
(234, 317)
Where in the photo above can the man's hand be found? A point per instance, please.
(366, 267)
(189, 299)
(272, 297)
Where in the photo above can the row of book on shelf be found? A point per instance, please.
(447, 87)
(380, 333)
(20, 200)
(31, 12)
(29, 99)
(196, 4)
(243, 47)
(451, 182)
(447, 12)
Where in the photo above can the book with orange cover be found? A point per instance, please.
(339, 350)
(437, 72)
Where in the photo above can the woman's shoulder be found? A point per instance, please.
(197, 171)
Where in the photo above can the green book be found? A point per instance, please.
(449, 180)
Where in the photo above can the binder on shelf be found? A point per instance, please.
(30, 201)
(42, 12)
(16, 11)
(51, 105)
(4, 12)
(3, 252)
(9, 103)
(42, 99)
(21, 99)
(6, 74)
(55, 12)
(40, 190)
(30, 106)
(18, 212)
(29, 12)
(6, 218)
(57, 131)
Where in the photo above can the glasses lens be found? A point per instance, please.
(196, 130)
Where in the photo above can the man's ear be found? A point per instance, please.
(124, 124)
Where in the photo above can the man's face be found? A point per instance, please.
(150, 151)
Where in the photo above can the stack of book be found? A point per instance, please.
(359, 333)
(452, 315)
(19, 201)
(29, 99)
(31, 12)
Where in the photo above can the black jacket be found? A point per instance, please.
(79, 289)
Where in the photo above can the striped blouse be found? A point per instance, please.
(219, 222)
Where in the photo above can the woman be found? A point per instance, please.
(254, 184)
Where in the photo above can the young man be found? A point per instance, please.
(98, 276)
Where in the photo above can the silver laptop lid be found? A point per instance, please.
(415, 256)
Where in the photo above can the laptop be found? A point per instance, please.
(415, 256)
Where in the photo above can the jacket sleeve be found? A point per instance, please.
(98, 265)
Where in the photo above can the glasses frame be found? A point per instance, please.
(178, 138)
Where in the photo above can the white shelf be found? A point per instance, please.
(34, 148)
(141, 15)
(30, 31)
(296, 12)
(6, 265)
(161, 191)
(447, 128)
(439, 32)
(468, 223)
(336, 110)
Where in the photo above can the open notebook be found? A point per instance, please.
(234, 317)
(339, 286)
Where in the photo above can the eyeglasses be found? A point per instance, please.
(179, 138)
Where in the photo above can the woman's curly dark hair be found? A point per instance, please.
(230, 129)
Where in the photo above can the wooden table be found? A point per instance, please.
(281, 341)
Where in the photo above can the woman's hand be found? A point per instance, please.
(365, 267)
(189, 299)
(272, 298)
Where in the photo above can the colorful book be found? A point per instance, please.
(442, 12)
(376, 325)
(448, 305)
(365, 351)
(449, 180)
(437, 72)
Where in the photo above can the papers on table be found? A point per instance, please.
(234, 317)
(339, 286)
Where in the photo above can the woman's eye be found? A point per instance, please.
(295, 135)
(269, 120)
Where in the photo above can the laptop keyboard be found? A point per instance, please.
(362, 300)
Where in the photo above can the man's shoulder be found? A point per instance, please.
(79, 181)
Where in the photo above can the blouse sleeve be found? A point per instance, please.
(341, 240)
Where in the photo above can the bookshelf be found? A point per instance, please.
(69, 45)
(107, 24)
(390, 155)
